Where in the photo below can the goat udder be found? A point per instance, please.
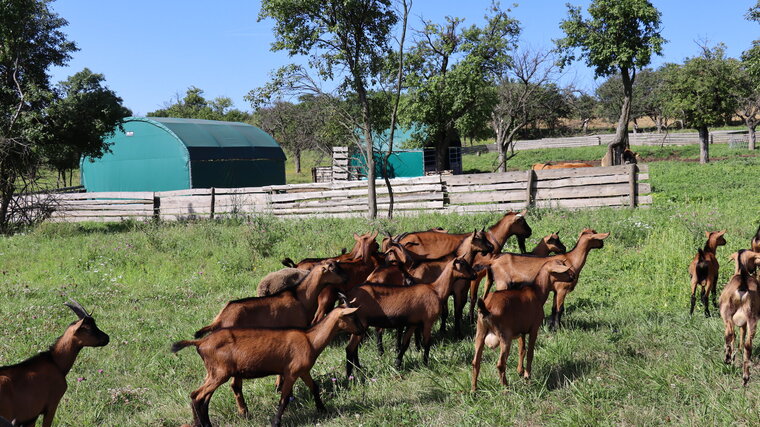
(739, 318)
(492, 340)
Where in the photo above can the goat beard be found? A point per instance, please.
(492, 340)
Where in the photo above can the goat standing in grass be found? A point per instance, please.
(35, 386)
(515, 313)
(740, 306)
(415, 306)
(704, 270)
(755, 243)
(256, 353)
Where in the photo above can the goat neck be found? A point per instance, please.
(444, 284)
(499, 232)
(578, 255)
(64, 351)
(309, 289)
(323, 332)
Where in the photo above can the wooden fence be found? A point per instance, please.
(615, 186)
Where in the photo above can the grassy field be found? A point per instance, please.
(629, 353)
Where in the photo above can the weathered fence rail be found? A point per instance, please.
(563, 188)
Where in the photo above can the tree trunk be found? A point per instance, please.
(297, 160)
(751, 132)
(620, 142)
(658, 123)
(369, 151)
(704, 145)
(585, 125)
(450, 139)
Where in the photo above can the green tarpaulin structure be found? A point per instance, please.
(163, 154)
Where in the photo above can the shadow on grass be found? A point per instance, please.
(566, 372)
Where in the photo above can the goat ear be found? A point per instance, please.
(347, 311)
(602, 236)
(523, 212)
(411, 244)
(356, 237)
(373, 236)
(707, 234)
(733, 256)
(557, 233)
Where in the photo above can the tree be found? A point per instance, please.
(620, 37)
(647, 100)
(753, 14)
(748, 94)
(84, 113)
(700, 92)
(584, 108)
(451, 74)
(31, 41)
(522, 97)
(195, 106)
(347, 36)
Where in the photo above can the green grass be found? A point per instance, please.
(629, 352)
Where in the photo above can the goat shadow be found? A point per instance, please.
(562, 374)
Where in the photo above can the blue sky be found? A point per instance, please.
(151, 51)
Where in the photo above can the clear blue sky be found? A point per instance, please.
(150, 51)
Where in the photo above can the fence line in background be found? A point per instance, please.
(615, 186)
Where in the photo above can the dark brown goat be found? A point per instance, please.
(435, 244)
(35, 386)
(364, 245)
(515, 313)
(755, 243)
(415, 306)
(740, 306)
(545, 247)
(254, 353)
(704, 270)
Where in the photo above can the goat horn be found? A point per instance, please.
(77, 308)
(343, 298)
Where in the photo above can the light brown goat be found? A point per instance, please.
(415, 306)
(545, 247)
(749, 259)
(704, 270)
(740, 306)
(254, 353)
(279, 280)
(35, 386)
(516, 313)
(509, 269)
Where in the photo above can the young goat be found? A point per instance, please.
(254, 353)
(35, 386)
(545, 247)
(415, 306)
(704, 270)
(739, 306)
(507, 314)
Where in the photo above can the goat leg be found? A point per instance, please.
(237, 390)
(444, 314)
(306, 377)
(706, 304)
(404, 345)
(287, 389)
(480, 337)
(47, 419)
(379, 339)
(729, 337)
(693, 302)
(750, 334)
(352, 354)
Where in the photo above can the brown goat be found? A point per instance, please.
(704, 270)
(364, 245)
(35, 386)
(750, 260)
(435, 244)
(545, 247)
(510, 269)
(740, 306)
(254, 353)
(516, 313)
(475, 244)
(415, 306)
(755, 243)
(561, 165)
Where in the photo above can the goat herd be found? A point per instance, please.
(405, 286)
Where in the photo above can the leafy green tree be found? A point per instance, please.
(84, 113)
(31, 41)
(619, 37)
(749, 91)
(451, 75)
(753, 14)
(347, 39)
(700, 92)
(647, 100)
(195, 106)
(584, 108)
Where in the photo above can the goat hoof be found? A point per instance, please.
(745, 380)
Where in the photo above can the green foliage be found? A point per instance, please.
(628, 354)
(753, 14)
(700, 89)
(85, 113)
(620, 34)
(195, 106)
(648, 96)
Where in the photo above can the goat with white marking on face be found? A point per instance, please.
(35, 386)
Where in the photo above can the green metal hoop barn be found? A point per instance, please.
(164, 154)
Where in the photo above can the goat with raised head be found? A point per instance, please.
(254, 353)
(415, 306)
(545, 247)
(35, 386)
(704, 270)
(740, 306)
(515, 313)
(509, 269)
(363, 244)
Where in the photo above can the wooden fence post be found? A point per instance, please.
(156, 207)
(632, 183)
(529, 196)
(213, 201)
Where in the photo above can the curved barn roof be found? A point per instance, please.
(216, 140)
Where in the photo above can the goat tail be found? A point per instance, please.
(204, 330)
(179, 345)
(482, 307)
(287, 262)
